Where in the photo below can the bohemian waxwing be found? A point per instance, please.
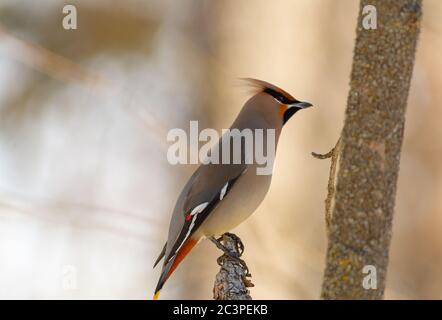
(218, 197)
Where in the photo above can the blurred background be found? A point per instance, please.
(86, 191)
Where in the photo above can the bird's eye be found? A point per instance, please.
(279, 97)
(271, 92)
(282, 99)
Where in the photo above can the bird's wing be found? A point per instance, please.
(204, 191)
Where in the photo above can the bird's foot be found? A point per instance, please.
(238, 243)
(219, 245)
(234, 254)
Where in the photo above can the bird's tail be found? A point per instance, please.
(170, 266)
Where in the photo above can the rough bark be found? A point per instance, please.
(368, 162)
(231, 282)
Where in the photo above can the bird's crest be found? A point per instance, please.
(257, 86)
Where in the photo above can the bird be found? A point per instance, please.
(220, 196)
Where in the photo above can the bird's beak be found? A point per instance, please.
(300, 105)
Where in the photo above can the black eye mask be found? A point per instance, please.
(280, 97)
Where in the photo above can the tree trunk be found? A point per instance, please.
(369, 152)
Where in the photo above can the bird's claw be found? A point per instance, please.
(238, 243)
(232, 255)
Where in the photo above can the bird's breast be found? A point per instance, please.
(241, 201)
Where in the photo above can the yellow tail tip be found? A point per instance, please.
(156, 295)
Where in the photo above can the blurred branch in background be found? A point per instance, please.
(48, 62)
(59, 67)
(118, 222)
(361, 222)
